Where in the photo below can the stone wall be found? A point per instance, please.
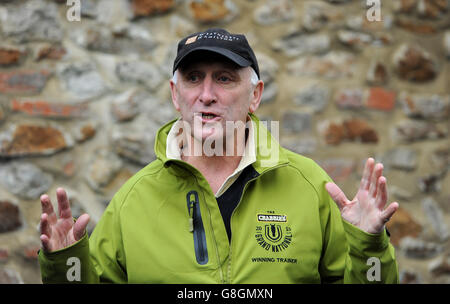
(80, 102)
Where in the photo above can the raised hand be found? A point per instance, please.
(58, 233)
(366, 210)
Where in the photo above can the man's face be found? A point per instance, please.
(208, 93)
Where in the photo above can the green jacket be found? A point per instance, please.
(164, 226)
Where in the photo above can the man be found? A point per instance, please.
(223, 202)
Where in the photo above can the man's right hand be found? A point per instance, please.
(58, 233)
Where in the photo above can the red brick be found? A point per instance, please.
(381, 99)
(48, 109)
(23, 82)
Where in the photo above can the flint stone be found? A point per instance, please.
(9, 217)
(430, 183)
(314, 97)
(436, 218)
(32, 21)
(334, 64)
(11, 55)
(401, 225)
(409, 277)
(274, 11)
(125, 106)
(401, 158)
(297, 122)
(143, 72)
(440, 266)
(361, 23)
(10, 276)
(409, 131)
(377, 74)
(350, 98)
(102, 168)
(82, 80)
(208, 11)
(84, 131)
(27, 139)
(355, 40)
(317, 15)
(432, 9)
(414, 64)
(426, 106)
(419, 249)
(135, 143)
(298, 43)
(24, 179)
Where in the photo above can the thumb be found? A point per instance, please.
(80, 226)
(336, 194)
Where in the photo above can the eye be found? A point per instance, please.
(223, 78)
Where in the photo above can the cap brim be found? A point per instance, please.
(239, 60)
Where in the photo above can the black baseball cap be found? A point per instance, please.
(233, 46)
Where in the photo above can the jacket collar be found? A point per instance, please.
(269, 153)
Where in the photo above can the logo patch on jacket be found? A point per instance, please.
(274, 235)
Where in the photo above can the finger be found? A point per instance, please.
(45, 242)
(45, 227)
(337, 195)
(367, 173)
(63, 204)
(377, 172)
(80, 226)
(382, 195)
(389, 211)
(47, 208)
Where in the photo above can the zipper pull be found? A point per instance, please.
(191, 209)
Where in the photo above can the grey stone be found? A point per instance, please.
(409, 131)
(334, 64)
(10, 276)
(274, 11)
(317, 15)
(126, 105)
(143, 72)
(435, 218)
(419, 249)
(102, 168)
(270, 93)
(301, 145)
(427, 106)
(135, 142)
(156, 110)
(299, 43)
(355, 40)
(401, 158)
(315, 97)
(349, 98)
(24, 179)
(82, 80)
(297, 122)
(268, 67)
(32, 21)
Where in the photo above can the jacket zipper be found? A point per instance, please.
(240, 199)
(196, 227)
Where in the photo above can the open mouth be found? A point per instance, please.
(209, 116)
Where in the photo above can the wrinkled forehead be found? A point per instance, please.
(205, 58)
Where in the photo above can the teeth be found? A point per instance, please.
(208, 116)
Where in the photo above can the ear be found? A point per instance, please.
(256, 96)
(174, 93)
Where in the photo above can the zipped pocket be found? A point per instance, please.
(196, 227)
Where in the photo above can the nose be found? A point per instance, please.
(207, 94)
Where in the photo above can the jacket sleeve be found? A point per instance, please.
(351, 255)
(98, 259)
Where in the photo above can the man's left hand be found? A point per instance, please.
(366, 210)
